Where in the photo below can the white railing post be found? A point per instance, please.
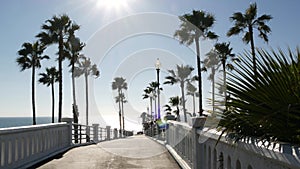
(115, 133)
(95, 132)
(88, 134)
(69, 122)
(198, 153)
(107, 132)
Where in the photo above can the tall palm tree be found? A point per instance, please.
(120, 84)
(154, 85)
(192, 91)
(86, 68)
(121, 99)
(73, 48)
(181, 76)
(247, 22)
(30, 57)
(224, 52)
(193, 27)
(212, 62)
(56, 31)
(49, 78)
(148, 94)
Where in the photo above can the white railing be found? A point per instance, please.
(205, 149)
(23, 147)
(20, 146)
(82, 134)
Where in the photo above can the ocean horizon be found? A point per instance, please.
(23, 121)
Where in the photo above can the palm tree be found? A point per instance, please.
(168, 108)
(30, 57)
(56, 31)
(120, 84)
(49, 78)
(73, 48)
(223, 50)
(212, 62)
(148, 94)
(192, 91)
(181, 76)
(153, 86)
(86, 68)
(193, 27)
(145, 117)
(247, 22)
(175, 102)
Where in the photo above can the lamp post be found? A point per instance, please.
(157, 66)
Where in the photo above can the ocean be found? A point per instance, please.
(22, 121)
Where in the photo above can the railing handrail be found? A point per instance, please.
(9, 130)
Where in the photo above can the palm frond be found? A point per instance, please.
(264, 105)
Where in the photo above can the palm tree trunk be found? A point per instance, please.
(252, 49)
(75, 113)
(151, 110)
(60, 81)
(53, 101)
(213, 88)
(122, 104)
(178, 115)
(199, 75)
(74, 107)
(87, 99)
(155, 109)
(183, 100)
(120, 113)
(33, 94)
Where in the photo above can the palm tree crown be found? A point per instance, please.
(50, 77)
(175, 102)
(246, 23)
(119, 84)
(30, 55)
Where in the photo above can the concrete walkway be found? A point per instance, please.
(132, 152)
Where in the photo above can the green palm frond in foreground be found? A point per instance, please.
(265, 106)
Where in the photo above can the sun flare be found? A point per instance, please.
(111, 4)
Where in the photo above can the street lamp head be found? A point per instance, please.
(157, 64)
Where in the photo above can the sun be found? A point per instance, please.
(112, 4)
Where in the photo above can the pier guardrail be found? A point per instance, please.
(23, 147)
(203, 148)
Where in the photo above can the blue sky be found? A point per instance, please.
(123, 40)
